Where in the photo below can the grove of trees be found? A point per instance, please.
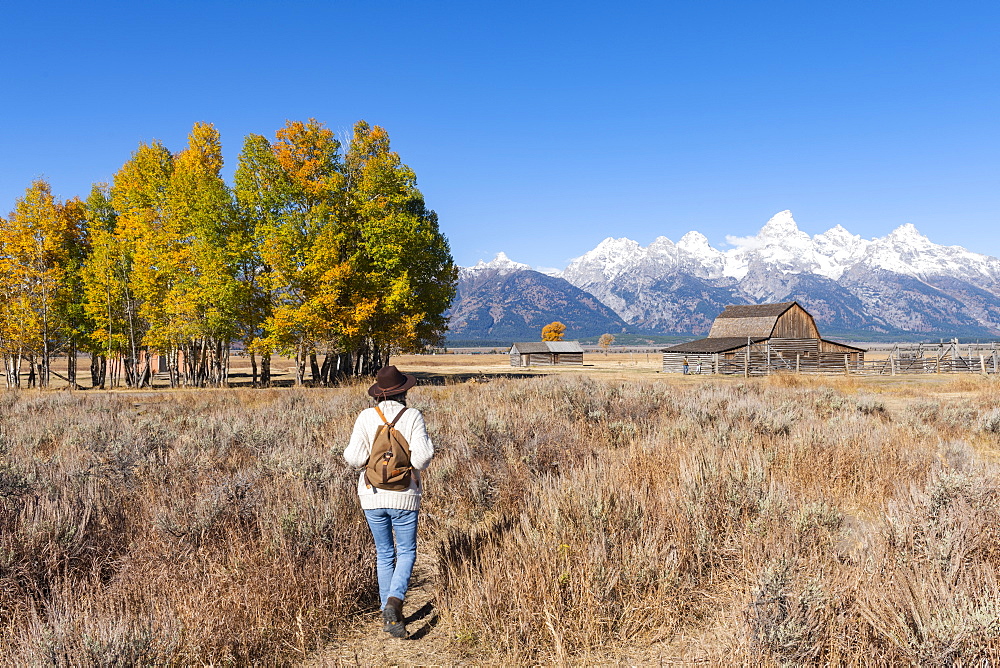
(324, 255)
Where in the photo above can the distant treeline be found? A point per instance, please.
(312, 252)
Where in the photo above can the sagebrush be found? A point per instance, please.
(568, 519)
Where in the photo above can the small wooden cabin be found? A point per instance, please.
(762, 338)
(546, 353)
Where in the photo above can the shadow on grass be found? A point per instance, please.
(428, 614)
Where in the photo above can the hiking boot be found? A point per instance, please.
(393, 616)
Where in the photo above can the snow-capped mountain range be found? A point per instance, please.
(902, 282)
(781, 246)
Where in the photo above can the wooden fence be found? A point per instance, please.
(803, 356)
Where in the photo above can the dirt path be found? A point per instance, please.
(368, 645)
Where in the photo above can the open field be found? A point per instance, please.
(450, 367)
(431, 367)
(600, 514)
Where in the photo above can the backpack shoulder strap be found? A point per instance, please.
(394, 420)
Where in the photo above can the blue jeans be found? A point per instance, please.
(393, 559)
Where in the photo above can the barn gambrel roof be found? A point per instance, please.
(753, 320)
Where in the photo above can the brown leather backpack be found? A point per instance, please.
(389, 462)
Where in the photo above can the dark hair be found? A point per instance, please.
(399, 398)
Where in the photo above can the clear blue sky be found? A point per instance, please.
(540, 128)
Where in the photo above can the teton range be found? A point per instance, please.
(898, 285)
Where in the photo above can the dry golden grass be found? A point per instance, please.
(573, 518)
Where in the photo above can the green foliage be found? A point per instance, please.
(41, 248)
(312, 251)
(349, 258)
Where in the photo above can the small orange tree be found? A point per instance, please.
(553, 331)
(606, 341)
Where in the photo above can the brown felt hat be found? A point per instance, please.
(389, 381)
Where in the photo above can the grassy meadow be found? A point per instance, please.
(568, 518)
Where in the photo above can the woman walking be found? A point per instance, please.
(391, 512)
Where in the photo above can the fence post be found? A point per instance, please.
(847, 364)
(715, 363)
(798, 360)
(982, 363)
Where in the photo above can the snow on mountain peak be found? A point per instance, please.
(609, 258)
(501, 264)
(708, 262)
(837, 231)
(779, 245)
(780, 224)
(906, 251)
(907, 234)
(842, 249)
(694, 242)
(662, 245)
(612, 246)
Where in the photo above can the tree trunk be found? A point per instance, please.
(253, 369)
(17, 370)
(145, 374)
(43, 366)
(314, 368)
(203, 363)
(345, 364)
(265, 370)
(98, 370)
(300, 366)
(127, 366)
(223, 356)
(71, 367)
(325, 370)
(130, 379)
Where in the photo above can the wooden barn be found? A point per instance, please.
(546, 353)
(761, 339)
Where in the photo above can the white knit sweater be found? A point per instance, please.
(411, 426)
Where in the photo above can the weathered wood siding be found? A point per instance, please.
(697, 363)
(834, 347)
(795, 323)
(546, 359)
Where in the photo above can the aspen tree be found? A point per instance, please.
(105, 275)
(75, 328)
(262, 193)
(38, 245)
(404, 274)
(17, 318)
(139, 197)
(203, 298)
(299, 185)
